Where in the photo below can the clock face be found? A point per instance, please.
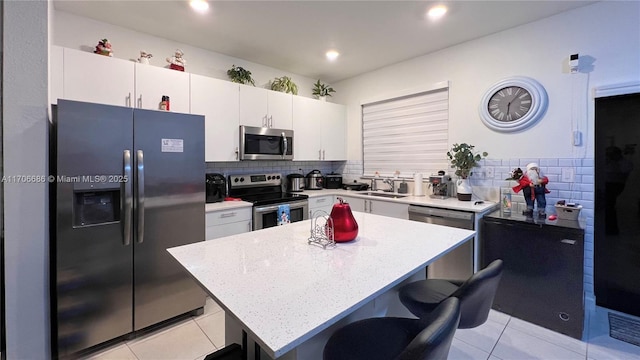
(509, 104)
(513, 104)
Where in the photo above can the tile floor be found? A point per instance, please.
(502, 337)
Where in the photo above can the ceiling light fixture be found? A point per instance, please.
(437, 12)
(200, 6)
(332, 55)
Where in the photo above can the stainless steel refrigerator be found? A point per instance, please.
(126, 184)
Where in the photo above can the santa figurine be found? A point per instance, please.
(177, 62)
(145, 57)
(533, 186)
(103, 48)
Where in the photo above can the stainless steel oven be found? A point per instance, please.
(266, 216)
(258, 143)
(268, 198)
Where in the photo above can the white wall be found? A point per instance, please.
(81, 33)
(24, 82)
(607, 32)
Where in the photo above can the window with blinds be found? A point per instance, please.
(408, 134)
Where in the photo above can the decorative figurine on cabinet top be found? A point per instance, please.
(103, 48)
(533, 186)
(177, 61)
(145, 57)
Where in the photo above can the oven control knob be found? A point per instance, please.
(235, 180)
(278, 177)
(241, 179)
(269, 177)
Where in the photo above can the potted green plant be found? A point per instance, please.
(463, 158)
(321, 91)
(284, 84)
(240, 75)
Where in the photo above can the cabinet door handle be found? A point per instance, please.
(319, 154)
(227, 215)
(370, 206)
(129, 100)
(365, 205)
(321, 200)
(322, 154)
(271, 121)
(237, 153)
(140, 102)
(568, 241)
(249, 226)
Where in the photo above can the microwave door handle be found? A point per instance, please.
(285, 145)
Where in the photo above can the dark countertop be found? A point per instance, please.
(519, 217)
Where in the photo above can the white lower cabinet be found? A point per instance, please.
(378, 207)
(227, 222)
(324, 203)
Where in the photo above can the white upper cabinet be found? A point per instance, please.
(307, 143)
(219, 102)
(265, 108)
(319, 130)
(101, 79)
(95, 78)
(334, 131)
(153, 82)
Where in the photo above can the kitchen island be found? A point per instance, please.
(290, 296)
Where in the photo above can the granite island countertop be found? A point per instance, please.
(284, 291)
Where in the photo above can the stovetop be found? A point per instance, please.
(276, 198)
(261, 189)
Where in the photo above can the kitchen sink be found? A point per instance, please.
(386, 194)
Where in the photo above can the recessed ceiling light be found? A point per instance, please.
(437, 12)
(200, 6)
(332, 55)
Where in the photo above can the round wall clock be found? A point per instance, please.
(513, 104)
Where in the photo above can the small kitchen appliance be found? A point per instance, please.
(265, 192)
(261, 143)
(216, 187)
(333, 181)
(440, 185)
(296, 182)
(314, 180)
(356, 186)
(345, 227)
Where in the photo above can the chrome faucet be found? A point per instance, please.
(391, 183)
(374, 185)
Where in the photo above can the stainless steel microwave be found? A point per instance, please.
(258, 143)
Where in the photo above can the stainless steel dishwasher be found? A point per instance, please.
(458, 264)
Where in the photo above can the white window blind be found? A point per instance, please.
(407, 134)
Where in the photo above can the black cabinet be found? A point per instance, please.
(542, 281)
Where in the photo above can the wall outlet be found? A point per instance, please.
(568, 175)
(489, 172)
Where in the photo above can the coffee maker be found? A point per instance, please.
(440, 185)
(216, 188)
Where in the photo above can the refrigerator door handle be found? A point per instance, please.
(140, 196)
(128, 199)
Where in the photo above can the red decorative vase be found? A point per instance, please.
(345, 227)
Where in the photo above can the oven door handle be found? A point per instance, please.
(292, 205)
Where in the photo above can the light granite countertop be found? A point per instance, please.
(449, 203)
(284, 291)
